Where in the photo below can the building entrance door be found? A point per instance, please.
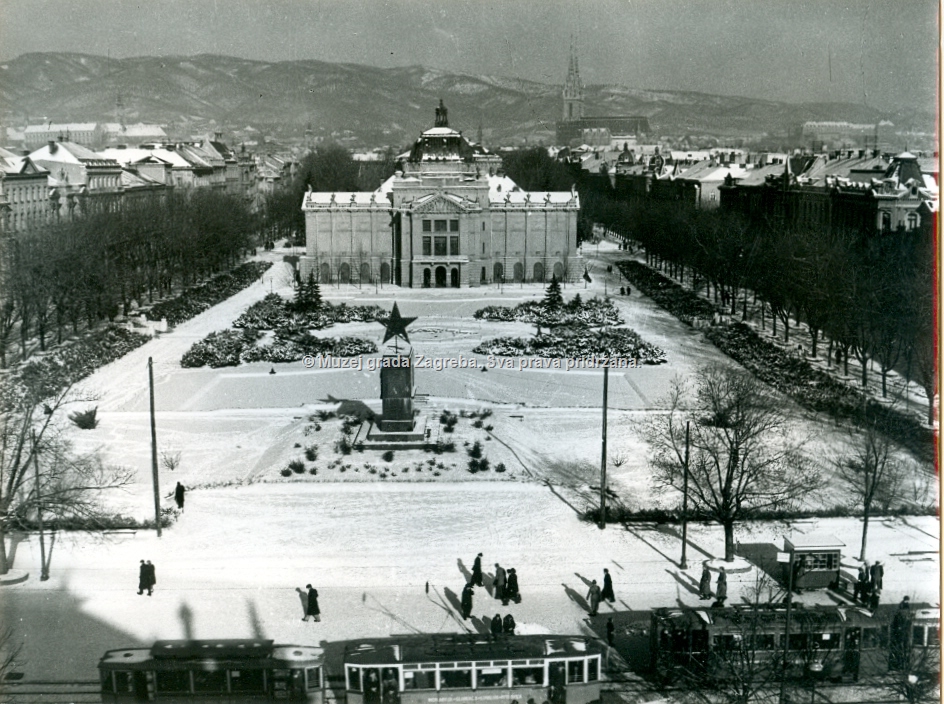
(440, 277)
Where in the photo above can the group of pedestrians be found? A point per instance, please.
(505, 585)
(147, 578)
(595, 594)
(868, 586)
(721, 586)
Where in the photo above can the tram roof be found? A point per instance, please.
(448, 648)
(808, 616)
(228, 648)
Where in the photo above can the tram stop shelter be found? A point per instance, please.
(814, 558)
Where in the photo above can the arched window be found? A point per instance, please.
(344, 273)
(384, 273)
(498, 272)
(539, 272)
(325, 273)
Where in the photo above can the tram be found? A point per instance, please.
(530, 669)
(834, 642)
(232, 671)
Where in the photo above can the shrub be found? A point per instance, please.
(313, 470)
(311, 453)
(343, 445)
(85, 420)
(387, 456)
(297, 466)
(477, 424)
(372, 470)
(489, 428)
(478, 465)
(197, 299)
(500, 467)
(476, 450)
(286, 472)
(325, 415)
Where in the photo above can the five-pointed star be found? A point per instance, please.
(396, 325)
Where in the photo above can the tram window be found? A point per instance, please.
(764, 641)
(209, 682)
(247, 681)
(455, 679)
(799, 641)
(491, 677)
(826, 641)
(313, 675)
(124, 683)
(354, 679)
(917, 636)
(699, 642)
(575, 671)
(593, 669)
(173, 681)
(872, 638)
(727, 642)
(527, 676)
(934, 635)
(419, 680)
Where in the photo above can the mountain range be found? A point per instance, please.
(377, 106)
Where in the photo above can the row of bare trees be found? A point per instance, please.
(77, 273)
(870, 295)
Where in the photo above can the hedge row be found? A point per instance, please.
(195, 300)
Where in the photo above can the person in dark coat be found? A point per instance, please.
(704, 584)
(610, 632)
(500, 583)
(721, 590)
(142, 578)
(511, 589)
(467, 601)
(477, 571)
(874, 599)
(877, 573)
(861, 590)
(312, 610)
(150, 577)
(593, 596)
(508, 625)
(497, 625)
(607, 592)
(179, 492)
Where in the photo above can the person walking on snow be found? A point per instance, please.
(721, 590)
(179, 492)
(593, 596)
(142, 578)
(500, 583)
(607, 587)
(312, 610)
(704, 584)
(467, 601)
(497, 625)
(477, 571)
(511, 590)
(878, 575)
(150, 577)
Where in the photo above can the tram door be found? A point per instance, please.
(850, 653)
(381, 685)
(557, 683)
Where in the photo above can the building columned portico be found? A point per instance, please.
(446, 218)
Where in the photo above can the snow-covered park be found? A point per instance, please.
(391, 554)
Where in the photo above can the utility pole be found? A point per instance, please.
(44, 568)
(157, 491)
(606, 381)
(786, 630)
(683, 563)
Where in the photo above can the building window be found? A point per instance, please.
(454, 245)
(453, 226)
(439, 226)
(912, 221)
(427, 226)
(483, 248)
(427, 246)
(440, 244)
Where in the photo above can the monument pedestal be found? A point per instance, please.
(396, 428)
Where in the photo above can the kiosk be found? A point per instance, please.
(814, 558)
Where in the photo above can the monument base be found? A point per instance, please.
(378, 439)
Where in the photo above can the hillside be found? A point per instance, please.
(376, 105)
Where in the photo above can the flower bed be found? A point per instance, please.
(268, 314)
(576, 343)
(199, 298)
(229, 348)
(219, 349)
(69, 363)
(595, 311)
(680, 302)
(273, 313)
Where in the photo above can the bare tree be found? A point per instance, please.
(740, 459)
(31, 446)
(170, 459)
(870, 471)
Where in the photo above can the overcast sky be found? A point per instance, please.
(881, 53)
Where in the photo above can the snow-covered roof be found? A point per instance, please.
(440, 132)
(60, 127)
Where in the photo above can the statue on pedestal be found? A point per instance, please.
(397, 387)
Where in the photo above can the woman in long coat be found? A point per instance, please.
(607, 587)
(511, 589)
(497, 625)
(312, 610)
(477, 571)
(467, 601)
(722, 589)
(704, 584)
(508, 625)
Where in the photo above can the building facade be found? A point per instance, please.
(446, 218)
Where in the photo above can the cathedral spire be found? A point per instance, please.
(573, 88)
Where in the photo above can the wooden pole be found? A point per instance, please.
(157, 490)
(786, 633)
(606, 381)
(683, 563)
(43, 567)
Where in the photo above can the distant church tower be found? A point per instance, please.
(573, 89)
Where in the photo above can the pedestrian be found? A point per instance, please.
(704, 584)
(905, 604)
(499, 583)
(312, 610)
(467, 601)
(593, 596)
(477, 571)
(877, 574)
(799, 569)
(874, 600)
(497, 625)
(861, 590)
(508, 625)
(142, 578)
(610, 632)
(179, 492)
(607, 587)
(511, 589)
(150, 577)
(721, 590)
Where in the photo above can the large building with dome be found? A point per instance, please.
(447, 218)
